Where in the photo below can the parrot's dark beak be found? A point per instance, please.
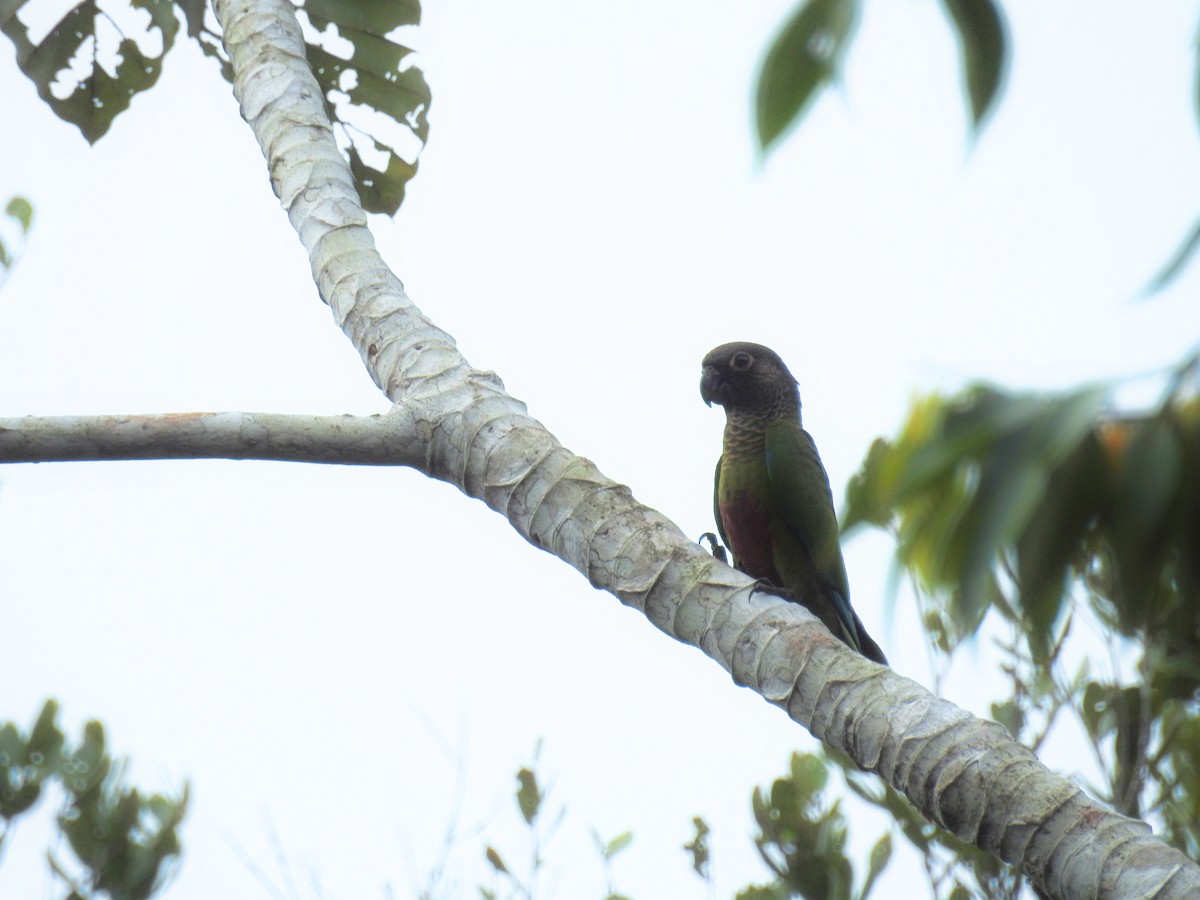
(710, 384)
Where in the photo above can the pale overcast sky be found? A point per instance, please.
(334, 655)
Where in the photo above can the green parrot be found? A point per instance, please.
(772, 501)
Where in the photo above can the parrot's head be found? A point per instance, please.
(749, 379)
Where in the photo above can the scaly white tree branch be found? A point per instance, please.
(348, 440)
(964, 773)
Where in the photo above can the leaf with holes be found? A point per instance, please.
(92, 62)
(377, 100)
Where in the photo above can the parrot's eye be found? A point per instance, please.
(741, 361)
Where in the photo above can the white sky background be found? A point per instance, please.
(312, 646)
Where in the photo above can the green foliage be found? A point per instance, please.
(121, 841)
(803, 58)
(978, 481)
(1050, 508)
(802, 839)
(377, 101)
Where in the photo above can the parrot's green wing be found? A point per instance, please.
(717, 514)
(805, 503)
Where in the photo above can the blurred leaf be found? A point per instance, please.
(881, 855)
(764, 892)
(617, 844)
(496, 861)
(865, 501)
(26, 763)
(1133, 733)
(22, 210)
(809, 775)
(121, 839)
(697, 847)
(44, 747)
(1096, 711)
(805, 55)
(1053, 538)
(981, 38)
(1140, 522)
(800, 839)
(1010, 714)
(1176, 264)
(965, 480)
(91, 37)
(529, 796)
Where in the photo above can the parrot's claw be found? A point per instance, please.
(767, 586)
(715, 547)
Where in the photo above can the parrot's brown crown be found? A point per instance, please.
(749, 379)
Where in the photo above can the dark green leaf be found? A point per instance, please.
(805, 55)
(98, 98)
(981, 37)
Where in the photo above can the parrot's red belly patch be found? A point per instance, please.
(748, 528)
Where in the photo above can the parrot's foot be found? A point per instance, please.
(715, 547)
(767, 586)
